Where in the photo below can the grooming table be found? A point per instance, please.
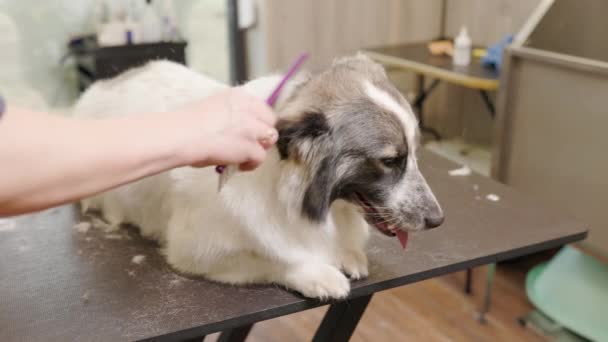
(61, 284)
(415, 57)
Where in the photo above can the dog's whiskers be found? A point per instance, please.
(389, 221)
(372, 207)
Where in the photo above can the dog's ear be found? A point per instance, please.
(317, 198)
(297, 137)
(307, 142)
(363, 64)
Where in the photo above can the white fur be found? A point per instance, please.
(407, 191)
(250, 232)
(406, 117)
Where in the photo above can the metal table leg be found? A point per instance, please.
(418, 104)
(235, 335)
(488, 102)
(341, 320)
(469, 281)
(487, 299)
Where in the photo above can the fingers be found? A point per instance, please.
(261, 133)
(240, 136)
(262, 137)
(269, 138)
(256, 157)
(266, 115)
(256, 107)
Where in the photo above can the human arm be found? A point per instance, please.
(48, 160)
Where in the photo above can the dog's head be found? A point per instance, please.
(352, 136)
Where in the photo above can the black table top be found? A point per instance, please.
(416, 57)
(61, 284)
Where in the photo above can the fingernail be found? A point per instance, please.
(270, 137)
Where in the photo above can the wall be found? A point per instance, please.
(487, 21)
(44, 28)
(328, 29)
(204, 24)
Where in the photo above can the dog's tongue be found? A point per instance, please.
(402, 236)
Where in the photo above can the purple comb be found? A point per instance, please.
(290, 72)
(275, 94)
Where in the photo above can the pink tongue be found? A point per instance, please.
(402, 236)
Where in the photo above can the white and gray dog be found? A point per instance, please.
(345, 159)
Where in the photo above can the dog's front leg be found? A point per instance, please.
(352, 236)
(311, 279)
(315, 280)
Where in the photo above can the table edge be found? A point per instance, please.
(378, 287)
(449, 76)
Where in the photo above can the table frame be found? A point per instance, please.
(423, 93)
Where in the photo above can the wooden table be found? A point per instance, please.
(417, 59)
(58, 284)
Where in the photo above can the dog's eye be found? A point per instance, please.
(392, 162)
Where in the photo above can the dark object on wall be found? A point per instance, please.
(236, 43)
(95, 63)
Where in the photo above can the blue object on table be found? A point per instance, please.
(493, 57)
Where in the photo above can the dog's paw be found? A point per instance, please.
(354, 264)
(106, 227)
(318, 281)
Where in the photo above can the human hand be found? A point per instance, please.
(228, 128)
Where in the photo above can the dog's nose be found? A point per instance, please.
(433, 222)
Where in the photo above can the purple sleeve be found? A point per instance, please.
(2, 106)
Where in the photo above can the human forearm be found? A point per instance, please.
(49, 160)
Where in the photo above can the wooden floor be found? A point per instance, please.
(432, 310)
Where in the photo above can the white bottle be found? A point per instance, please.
(462, 48)
(150, 25)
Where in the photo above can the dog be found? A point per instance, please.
(345, 160)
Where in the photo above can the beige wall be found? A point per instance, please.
(487, 20)
(333, 28)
